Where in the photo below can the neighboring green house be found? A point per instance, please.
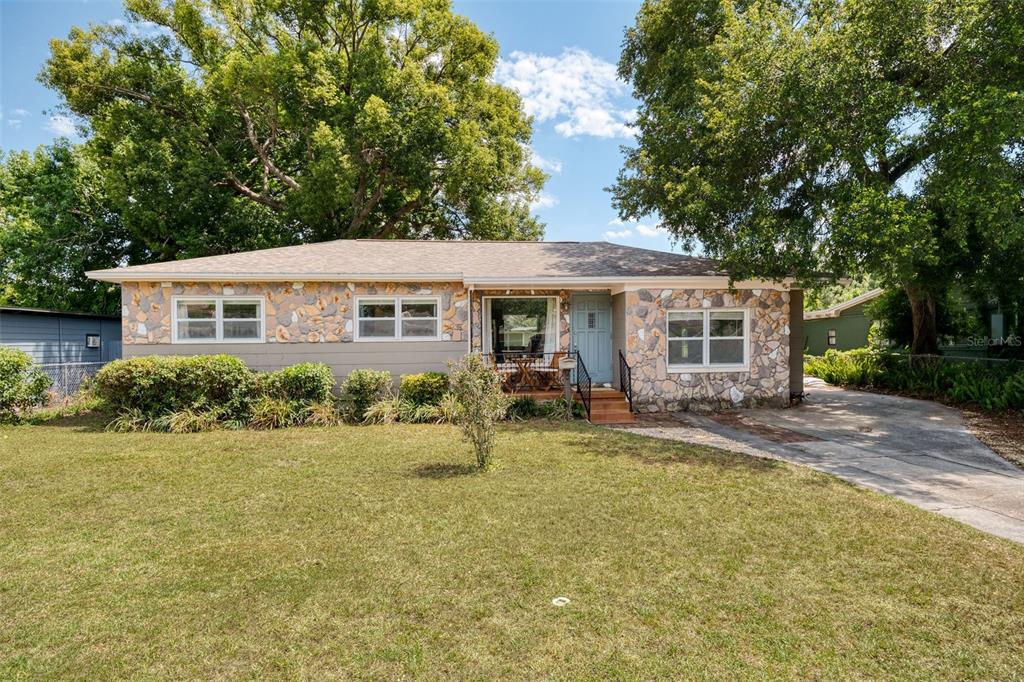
(843, 326)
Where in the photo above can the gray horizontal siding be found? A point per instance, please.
(399, 358)
(59, 338)
(53, 352)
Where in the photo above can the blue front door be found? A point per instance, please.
(592, 334)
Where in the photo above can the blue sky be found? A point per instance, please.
(560, 56)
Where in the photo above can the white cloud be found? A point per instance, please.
(543, 200)
(612, 234)
(61, 125)
(641, 229)
(15, 117)
(649, 231)
(578, 90)
(544, 163)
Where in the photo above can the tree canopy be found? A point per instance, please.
(801, 137)
(227, 124)
(56, 222)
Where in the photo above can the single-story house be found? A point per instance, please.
(844, 326)
(675, 324)
(60, 337)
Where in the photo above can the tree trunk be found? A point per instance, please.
(922, 310)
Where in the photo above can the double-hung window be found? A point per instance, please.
(707, 339)
(397, 318)
(215, 319)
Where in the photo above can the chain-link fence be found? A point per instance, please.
(981, 361)
(68, 376)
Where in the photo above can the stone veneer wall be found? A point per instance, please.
(656, 389)
(564, 303)
(316, 312)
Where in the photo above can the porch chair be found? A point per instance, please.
(551, 374)
(507, 371)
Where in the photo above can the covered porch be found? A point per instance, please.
(526, 335)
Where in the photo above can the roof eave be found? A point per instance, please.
(618, 282)
(125, 275)
(839, 308)
(628, 283)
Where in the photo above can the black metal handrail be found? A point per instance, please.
(583, 383)
(626, 379)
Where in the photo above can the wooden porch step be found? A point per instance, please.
(609, 407)
(606, 394)
(624, 417)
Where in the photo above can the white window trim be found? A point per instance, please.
(485, 327)
(707, 367)
(397, 301)
(218, 318)
(832, 338)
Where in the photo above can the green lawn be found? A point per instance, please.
(375, 552)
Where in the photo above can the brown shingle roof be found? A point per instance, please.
(457, 260)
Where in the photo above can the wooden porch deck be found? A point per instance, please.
(607, 406)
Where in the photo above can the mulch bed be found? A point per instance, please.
(1002, 431)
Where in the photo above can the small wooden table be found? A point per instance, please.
(527, 373)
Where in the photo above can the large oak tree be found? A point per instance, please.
(226, 124)
(842, 136)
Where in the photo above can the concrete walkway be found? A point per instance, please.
(916, 450)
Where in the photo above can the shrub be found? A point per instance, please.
(477, 386)
(556, 409)
(272, 413)
(411, 413)
(991, 388)
(192, 420)
(160, 385)
(321, 413)
(392, 410)
(426, 388)
(448, 409)
(859, 367)
(364, 387)
(129, 419)
(523, 407)
(23, 385)
(184, 394)
(1013, 391)
(387, 411)
(310, 382)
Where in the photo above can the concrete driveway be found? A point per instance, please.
(916, 450)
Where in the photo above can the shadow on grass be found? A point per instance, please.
(598, 440)
(88, 422)
(445, 470)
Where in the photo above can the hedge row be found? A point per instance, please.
(197, 393)
(193, 393)
(991, 388)
(178, 393)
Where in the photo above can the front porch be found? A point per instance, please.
(607, 405)
(526, 335)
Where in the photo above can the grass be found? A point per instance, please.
(377, 552)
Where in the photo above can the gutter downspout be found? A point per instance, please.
(470, 318)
